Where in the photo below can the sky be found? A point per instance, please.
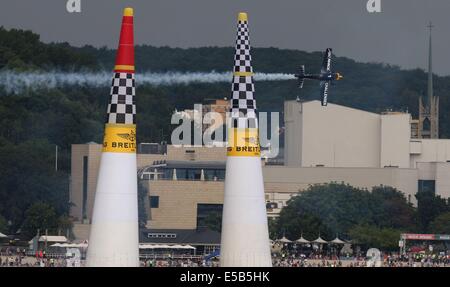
(398, 35)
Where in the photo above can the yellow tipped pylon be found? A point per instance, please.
(245, 235)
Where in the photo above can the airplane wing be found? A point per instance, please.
(301, 81)
(324, 87)
(326, 63)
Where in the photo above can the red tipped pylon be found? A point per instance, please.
(125, 51)
(114, 236)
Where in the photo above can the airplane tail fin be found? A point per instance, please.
(301, 75)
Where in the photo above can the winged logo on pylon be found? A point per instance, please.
(129, 136)
(251, 140)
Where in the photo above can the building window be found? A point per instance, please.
(194, 174)
(209, 215)
(154, 201)
(214, 174)
(271, 205)
(168, 173)
(161, 235)
(211, 174)
(181, 173)
(426, 124)
(427, 186)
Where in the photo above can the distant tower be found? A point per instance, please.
(429, 109)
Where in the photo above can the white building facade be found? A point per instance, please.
(340, 137)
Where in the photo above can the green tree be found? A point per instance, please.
(28, 177)
(373, 237)
(429, 207)
(338, 206)
(3, 225)
(342, 209)
(214, 221)
(40, 216)
(391, 209)
(272, 222)
(441, 224)
(294, 223)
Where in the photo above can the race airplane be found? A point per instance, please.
(326, 76)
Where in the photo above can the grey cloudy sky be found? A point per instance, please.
(398, 35)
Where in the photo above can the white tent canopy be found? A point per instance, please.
(337, 241)
(165, 246)
(302, 240)
(182, 247)
(320, 240)
(284, 240)
(3, 235)
(46, 238)
(70, 245)
(153, 246)
(141, 246)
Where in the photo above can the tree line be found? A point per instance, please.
(374, 218)
(33, 122)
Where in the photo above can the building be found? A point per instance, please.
(85, 161)
(171, 200)
(204, 240)
(182, 193)
(322, 144)
(221, 107)
(211, 115)
(340, 137)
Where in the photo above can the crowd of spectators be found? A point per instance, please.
(16, 257)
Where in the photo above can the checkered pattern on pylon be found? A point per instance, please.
(243, 104)
(122, 107)
(242, 58)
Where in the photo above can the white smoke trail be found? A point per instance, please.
(14, 82)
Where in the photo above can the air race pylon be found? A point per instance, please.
(114, 239)
(245, 235)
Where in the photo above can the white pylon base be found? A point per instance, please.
(114, 236)
(245, 235)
